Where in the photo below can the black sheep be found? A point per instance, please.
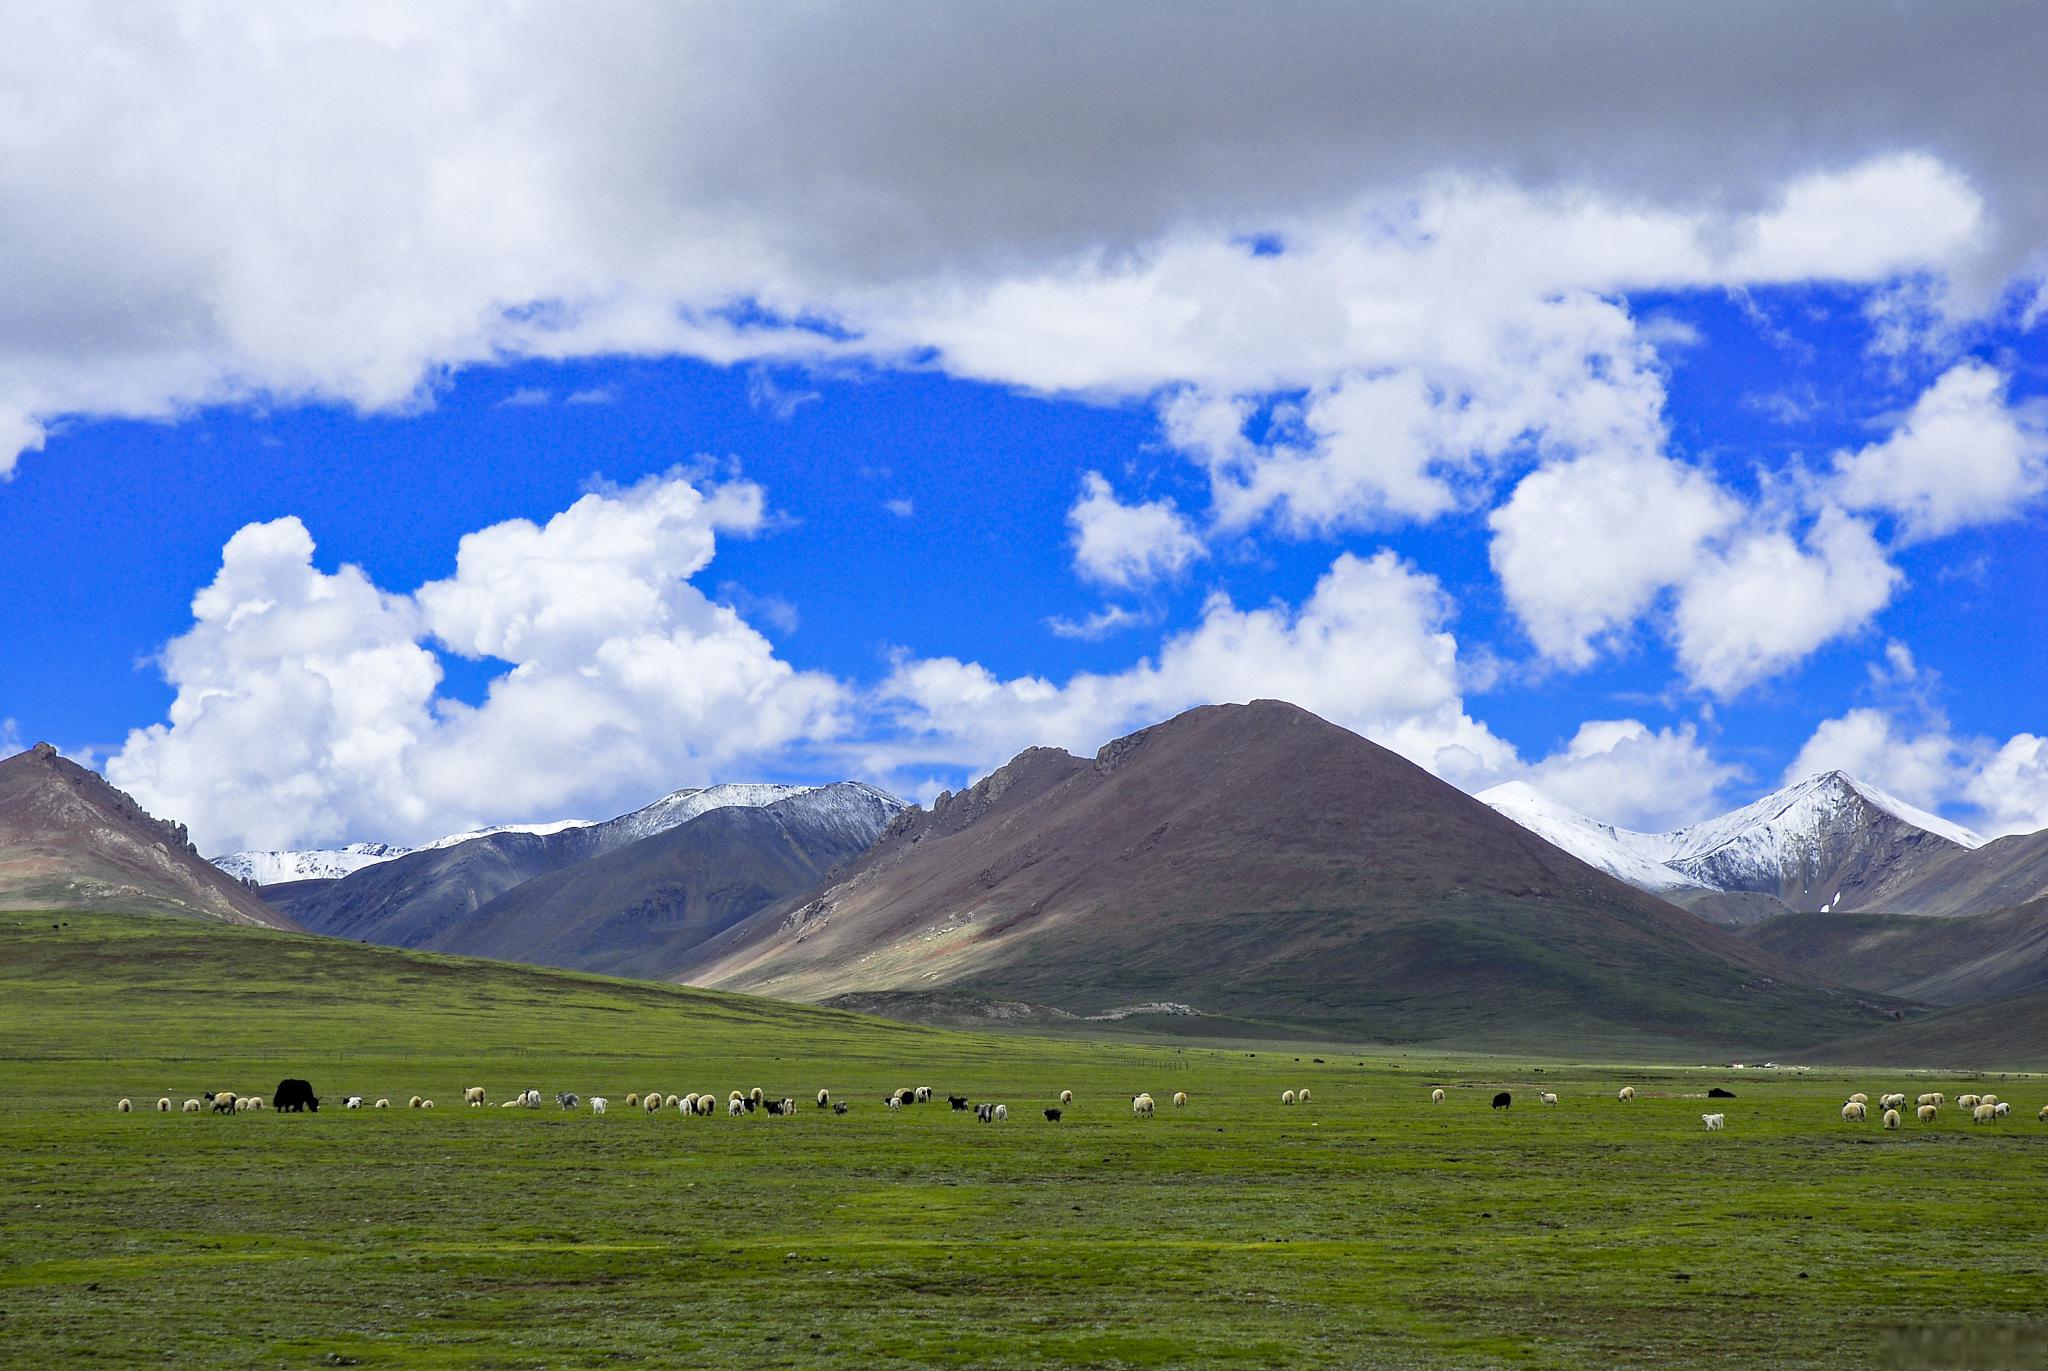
(1503, 1100)
(1052, 1116)
(294, 1096)
(773, 1106)
(959, 1103)
(839, 1108)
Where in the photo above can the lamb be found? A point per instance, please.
(191, 1106)
(352, 1102)
(163, 1106)
(839, 1107)
(1891, 1119)
(124, 1106)
(1053, 1115)
(985, 1112)
(1854, 1112)
(1141, 1105)
(1287, 1097)
(1626, 1093)
(736, 1108)
(568, 1100)
(1180, 1099)
(893, 1101)
(533, 1099)
(1436, 1096)
(824, 1098)
(1547, 1097)
(1714, 1122)
(474, 1097)
(1984, 1113)
(1926, 1112)
(598, 1103)
(1066, 1097)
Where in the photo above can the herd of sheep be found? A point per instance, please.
(294, 1095)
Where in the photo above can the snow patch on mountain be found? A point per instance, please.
(270, 868)
(539, 830)
(1592, 842)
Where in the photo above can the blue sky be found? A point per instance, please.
(1650, 492)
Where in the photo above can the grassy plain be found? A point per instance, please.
(1368, 1228)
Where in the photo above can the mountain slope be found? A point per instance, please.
(420, 899)
(70, 841)
(1959, 960)
(2000, 874)
(332, 863)
(2009, 1034)
(1266, 867)
(1598, 845)
(638, 910)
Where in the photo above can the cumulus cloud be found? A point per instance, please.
(1101, 624)
(1622, 771)
(1962, 456)
(2002, 787)
(308, 705)
(2009, 788)
(1370, 649)
(1128, 545)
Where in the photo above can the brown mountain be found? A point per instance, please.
(70, 841)
(1956, 960)
(1999, 875)
(1274, 873)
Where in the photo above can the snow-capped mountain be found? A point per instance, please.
(1827, 843)
(681, 806)
(329, 863)
(1592, 842)
(539, 830)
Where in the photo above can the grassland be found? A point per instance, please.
(1369, 1228)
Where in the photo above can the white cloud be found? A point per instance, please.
(307, 705)
(2010, 787)
(1128, 545)
(2004, 786)
(1369, 649)
(1623, 772)
(1962, 456)
(526, 397)
(594, 395)
(1101, 624)
(902, 507)
(1764, 603)
(1584, 547)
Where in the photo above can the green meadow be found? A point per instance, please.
(1367, 1228)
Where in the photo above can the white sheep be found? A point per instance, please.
(1287, 1097)
(924, 1094)
(415, 1102)
(426, 1104)
(735, 1107)
(1854, 1112)
(598, 1103)
(1714, 1122)
(654, 1105)
(352, 1102)
(1141, 1105)
(824, 1098)
(1066, 1097)
(1933, 1098)
(1987, 1099)
(192, 1106)
(669, 1101)
(1180, 1099)
(163, 1106)
(1436, 1096)
(1625, 1094)
(533, 1099)
(1547, 1097)
(1301, 1096)
(474, 1097)
(632, 1099)
(256, 1102)
(2001, 1109)
(1859, 1098)
(757, 1094)
(124, 1106)
(1926, 1112)
(1968, 1101)
(1983, 1113)
(2043, 1115)
(1891, 1118)
(706, 1105)
(1002, 1112)
(383, 1104)
(895, 1101)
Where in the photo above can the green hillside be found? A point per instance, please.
(1368, 1227)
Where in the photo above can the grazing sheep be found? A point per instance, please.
(1547, 1097)
(474, 1097)
(1180, 1099)
(352, 1102)
(757, 1094)
(1891, 1100)
(2043, 1115)
(1859, 1098)
(653, 1104)
(1141, 1105)
(1066, 1097)
(985, 1112)
(241, 1105)
(706, 1106)
(959, 1103)
(774, 1108)
(1053, 1115)
(426, 1104)
(1625, 1094)
(383, 1104)
(1967, 1101)
(1984, 1113)
(736, 1108)
(1714, 1122)
(1854, 1112)
(689, 1104)
(124, 1106)
(569, 1100)
(1436, 1096)
(163, 1106)
(893, 1101)
(669, 1101)
(224, 1102)
(2001, 1109)
(840, 1107)
(414, 1102)
(1504, 1100)
(1891, 1118)
(632, 1099)
(1002, 1113)
(1287, 1097)
(824, 1098)
(1301, 1096)
(1933, 1098)
(533, 1099)
(1926, 1112)
(907, 1095)
(191, 1106)
(255, 1101)
(923, 1094)
(598, 1103)
(1987, 1099)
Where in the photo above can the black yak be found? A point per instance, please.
(294, 1096)
(1503, 1100)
